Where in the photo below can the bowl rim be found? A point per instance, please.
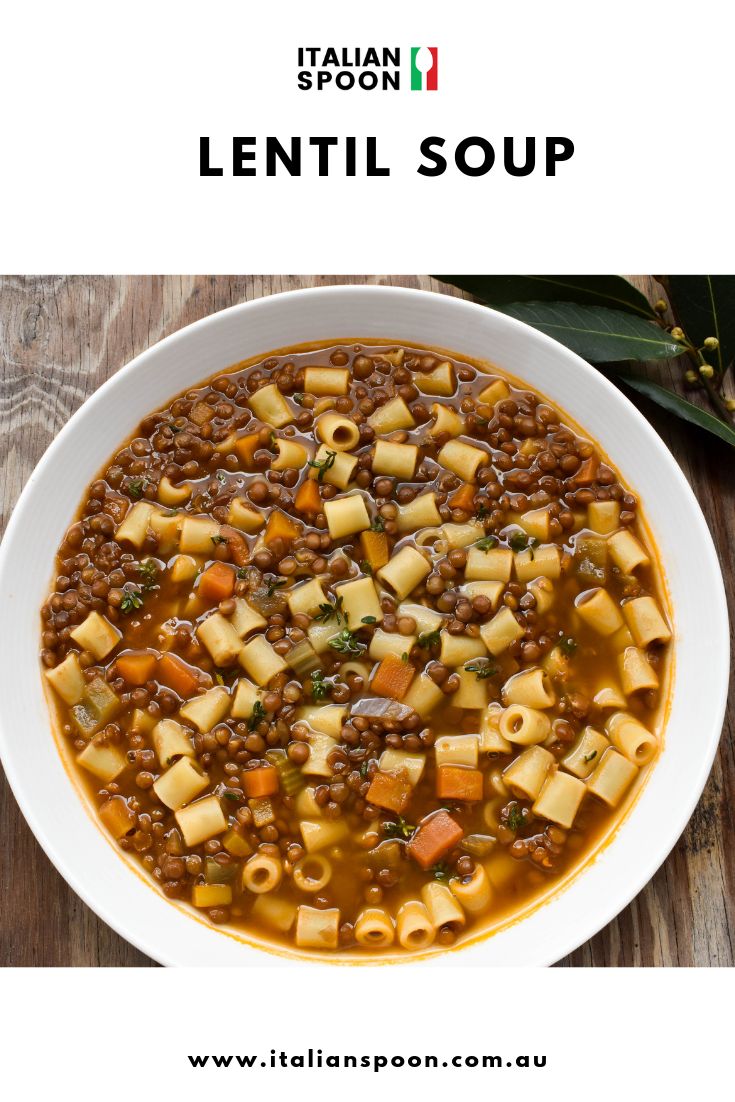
(558, 947)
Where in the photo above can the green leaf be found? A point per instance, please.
(610, 291)
(596, 333)
(705, 307)
(671, 402)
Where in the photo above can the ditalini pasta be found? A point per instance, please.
(359, 649)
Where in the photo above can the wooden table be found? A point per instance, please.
(60, 338)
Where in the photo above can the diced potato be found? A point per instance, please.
(197, 534)
(183, 569)
(97, 635)
(103, 760)
(305, 599)
(67, 679)
(401, 762)
(278, 913)
(244, 700)
(440, 381)
(319, 835)
(201, 820)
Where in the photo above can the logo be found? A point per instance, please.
(424, 68)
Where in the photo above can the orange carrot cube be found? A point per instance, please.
(433, 838)
(177, 675)
(375, 548)
(464, 497)
(260, 782)
(246, 447)
(389, 792)
(308, 498)
(392, 677)
(279, 527)
(457, 782)
(217, 583)
(136, 669)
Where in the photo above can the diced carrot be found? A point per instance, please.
(217, 583)
(375, 548)
(587, 471)
(434, 836)
(260, 782)
(457, 782)
(279, 527)
(308, 498)
(177, 675)
(464, 497)
(136, 669)
(117, 816)
(389, 792)
(246, 448)
(392, 677)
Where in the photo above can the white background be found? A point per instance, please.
(607, 1035)
(102, 109)
(103, 106)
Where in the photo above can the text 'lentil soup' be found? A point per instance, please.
(358, 648)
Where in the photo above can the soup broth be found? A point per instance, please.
(358, 649)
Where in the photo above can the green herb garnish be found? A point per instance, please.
(229, 794)
(148, 571)
(319, 688)
(429, 639)
(521, 541)
(369, 620)
(364, 768)
(298, 397)
(483, 512)
(366, 567)
(589, 757)
(323, 465)
(515, 818)
(482, 668)
(277, 583)
(136, 486)
(346, 643)
(487, 543)
(568, 645)
(257, 715)
(377, 524)
(404, 656)
(440, 871)
(329, 609)
(398, 829)
(216, 540)
(132, 599)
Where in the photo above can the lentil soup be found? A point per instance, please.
(358, 648)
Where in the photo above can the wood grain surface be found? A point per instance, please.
(61, 338)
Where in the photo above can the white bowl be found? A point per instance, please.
(51, 802)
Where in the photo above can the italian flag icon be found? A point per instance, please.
(424, 68)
